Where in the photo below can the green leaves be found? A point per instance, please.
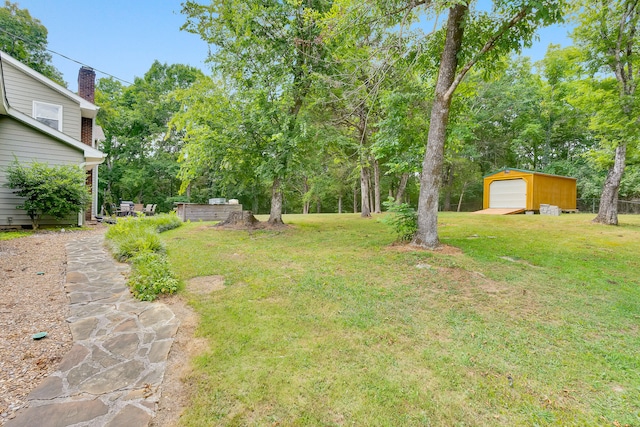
(142, 148)
(25, 38)
(403, 218)
(58, 191)
(137, 240)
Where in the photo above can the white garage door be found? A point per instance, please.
(511, 193)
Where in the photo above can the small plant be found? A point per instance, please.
(151, 276)
(403, 218)
(136, 239)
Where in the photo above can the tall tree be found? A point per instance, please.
(607, 32)
(25, 38)
(142, 150)
(467, 38)
(267, 52)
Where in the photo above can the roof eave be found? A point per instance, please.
(89, 110)
(91, 154)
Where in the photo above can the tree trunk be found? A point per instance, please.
(464, 186)
(305, 202)
(364, 192)
(256, 204)
(340, 204)
(275, 215)
(376, 187)
(608, 211)
(402, 187)
(355, 198)
(448, 188)
(371, 200)
(427, 234)
(243, 219)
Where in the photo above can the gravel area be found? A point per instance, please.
(32, 300)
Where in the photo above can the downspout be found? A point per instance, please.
(5, 100)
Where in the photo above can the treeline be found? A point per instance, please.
(325, 107)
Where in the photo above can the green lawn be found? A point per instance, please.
(9, 235)
(533, 321)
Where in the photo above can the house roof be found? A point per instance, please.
(88, 109)
(92, 156)
(525, 171)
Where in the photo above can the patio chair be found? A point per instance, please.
(125, 209)
(147, 209)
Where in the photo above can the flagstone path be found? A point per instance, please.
(113, 373)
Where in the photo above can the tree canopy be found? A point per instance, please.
(316, 106)
(25, 38)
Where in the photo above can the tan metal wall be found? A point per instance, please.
(541, 188)
(554, 190)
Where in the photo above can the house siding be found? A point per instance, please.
(27, 145)
(22, 90)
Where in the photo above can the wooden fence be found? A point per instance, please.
(198, 212)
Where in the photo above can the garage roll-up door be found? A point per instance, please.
(511, 193)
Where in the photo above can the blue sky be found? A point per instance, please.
(119, 37)
(124, 37)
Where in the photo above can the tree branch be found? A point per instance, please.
(490, 44)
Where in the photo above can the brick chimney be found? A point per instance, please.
(86, 90)
(87, 84)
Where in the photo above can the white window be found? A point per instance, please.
(49, 114)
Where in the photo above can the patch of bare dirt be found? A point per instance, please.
(206, 284)
(175, 385)
(32, 278)
(408, 247)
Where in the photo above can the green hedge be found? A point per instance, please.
(136, 240)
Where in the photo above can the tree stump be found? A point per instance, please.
(244, 220)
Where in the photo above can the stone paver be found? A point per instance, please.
(113, 373)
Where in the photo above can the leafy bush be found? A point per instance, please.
(164, 222)
(132, 235)
(403, 218)
(136, 239)
(58, 191)
(151, 276)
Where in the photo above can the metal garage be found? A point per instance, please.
(516, 190)
(510, 193)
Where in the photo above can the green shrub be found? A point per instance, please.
(403, 218)
(136, 239)
(132, 235)
(164, 222)
(59, 191)
(151, 276)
